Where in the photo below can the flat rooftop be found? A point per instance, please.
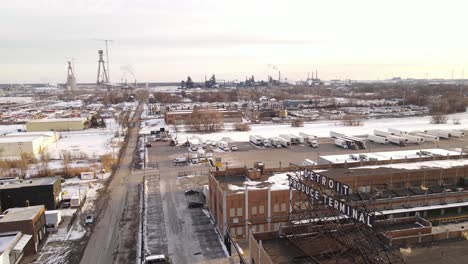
(51, 120)
(394, 168)
(18, 139)
(17, 183)
(387, 155)
(21, 213)
(6, 239)
(238, 183)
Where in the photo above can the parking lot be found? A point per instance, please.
(186, 235)
(247, 153)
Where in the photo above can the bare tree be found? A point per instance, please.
(44, 160)
(66, 156)
(439, 118)
(142, 95)
(352, 120)
(297, 122)
(242, 127)
(206, 120)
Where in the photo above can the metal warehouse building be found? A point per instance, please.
(37, 191)
(64, 124)
(13, 145)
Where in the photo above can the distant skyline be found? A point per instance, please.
(167, 40)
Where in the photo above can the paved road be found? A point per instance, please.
(105, 238)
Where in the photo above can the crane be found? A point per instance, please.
(106, 41)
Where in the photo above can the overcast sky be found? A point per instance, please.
(168, 40)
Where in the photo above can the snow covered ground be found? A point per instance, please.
(323, 128)
(94, 142)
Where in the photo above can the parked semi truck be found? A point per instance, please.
(309, 139)
(287, 137)
(275, 142)
(265, 142)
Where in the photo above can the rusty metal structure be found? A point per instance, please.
(327, 235)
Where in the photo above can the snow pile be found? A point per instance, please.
(279, 182)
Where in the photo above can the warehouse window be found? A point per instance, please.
(239, 231)
(276, 208)
(283, 207)
(254, 210)
(261, 209)
(239, 211)
(232, 212)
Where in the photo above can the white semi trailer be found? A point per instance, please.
(397, 131)
(290, 138)
(412, 138)
(378, 139)
(382, 133)
(398, 140)
(426, 137)
(439, 133)
(284, 142)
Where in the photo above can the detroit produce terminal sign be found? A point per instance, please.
(359, 215)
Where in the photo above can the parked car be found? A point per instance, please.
(148, 145)
(89, 220)
(233, 148)
(157, 259)
(191, 192)
(195, 205)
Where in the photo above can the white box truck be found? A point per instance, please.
(53, 218)
(255, 140)
(223, 145)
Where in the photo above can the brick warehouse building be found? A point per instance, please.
(179, 117)
(434, 187)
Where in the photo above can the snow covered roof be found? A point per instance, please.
(51, 120)
(388, 155)
(21, 213)
(441, 164)
(276, 182)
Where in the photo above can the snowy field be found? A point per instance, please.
(93, 142)
(323, 128)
